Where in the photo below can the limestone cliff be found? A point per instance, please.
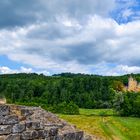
(34, 123)
(133, 85)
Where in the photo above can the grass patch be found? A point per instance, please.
(130, 126)
(97, 112)
(103, 124)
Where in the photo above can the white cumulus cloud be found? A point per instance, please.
(72, 37)
(7, 70)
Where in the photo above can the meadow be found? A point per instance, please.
(104, 124)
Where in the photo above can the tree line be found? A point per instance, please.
(78, 90)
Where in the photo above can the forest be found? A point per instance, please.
(70, 91)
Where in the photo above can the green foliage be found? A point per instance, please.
(128, 104)
(86, 91)
(117, 85)
(102, 113)
(136, 108)
(2, 96)
(64, 108)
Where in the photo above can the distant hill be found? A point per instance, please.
(86, 91)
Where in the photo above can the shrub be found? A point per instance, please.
(65, 108)
(128, 104)
(72, 108)
(103, 113)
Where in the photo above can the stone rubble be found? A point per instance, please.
(34, 123)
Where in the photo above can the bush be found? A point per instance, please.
(103, 113)
(137, 107)
(27, 103)
(72, 108)
(65, 108)
(128, 104)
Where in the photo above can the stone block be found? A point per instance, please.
(2, 137)
(51, 138)
(26, 112)
(1, 119)
(69, 136)
(79, 135)
(4, 110)
(5, 129)
(29, 135)
(34, 125)
(53, 131)
(10, 119)
(43, 134)
(18, 128)
(54, 125)
(59, 137)
(14, 137)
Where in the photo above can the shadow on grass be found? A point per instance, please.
(90, 115)
(101, 114)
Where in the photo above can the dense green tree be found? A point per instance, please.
(86, 91)
(128, 104)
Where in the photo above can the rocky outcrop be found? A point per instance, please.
(34, 123)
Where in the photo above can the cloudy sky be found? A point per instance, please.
(78, 36)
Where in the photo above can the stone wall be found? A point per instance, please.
(34, 123)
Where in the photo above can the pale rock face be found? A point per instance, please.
(133, 85)
(2, 101)
(34, 123)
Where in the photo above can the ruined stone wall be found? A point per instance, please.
(34, 123)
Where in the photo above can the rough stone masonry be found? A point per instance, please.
(34, 123)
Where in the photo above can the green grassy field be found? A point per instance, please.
(103, 124)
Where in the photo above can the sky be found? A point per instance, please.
(54, 36)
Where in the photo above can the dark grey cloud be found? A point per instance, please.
(20, 13)
(84, 53)
(52, 31)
